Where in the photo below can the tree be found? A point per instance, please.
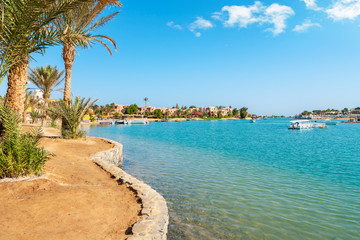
(132, 109)
(147, 112)
(177, 106)
(24, 31)
(145, 100)
(243, 112)
(75, 29)
(235, 112)
(117, 115)
(46, 79)
(30, 102)
(220, 115)
(72, 114)
(158, 113)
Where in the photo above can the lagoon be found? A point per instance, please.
(241, 180)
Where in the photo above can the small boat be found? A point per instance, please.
(119, 122)
(138, 121)
(253, 120)
(300, 124)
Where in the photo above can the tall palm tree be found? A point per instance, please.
(75, 29)
(24, 30)
(46, 79)
(145, 100)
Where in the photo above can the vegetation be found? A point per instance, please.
(243, 112)
(75, 28)
(20, 153)
(72, 115)
(158, 113)
(34, 116)
(146, 100)
(132, 109)
(235, 112)
(46, 79)
(25, 30)
(117, 115)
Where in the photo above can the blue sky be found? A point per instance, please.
(274, 56)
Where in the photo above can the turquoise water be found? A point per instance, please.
(239, 180)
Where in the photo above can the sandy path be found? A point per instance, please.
(76, 200)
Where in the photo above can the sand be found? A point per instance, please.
(74, 199)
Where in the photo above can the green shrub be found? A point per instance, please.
(20, 154)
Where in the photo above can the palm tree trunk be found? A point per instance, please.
(69, 57)
(46, 106)
(17, 79)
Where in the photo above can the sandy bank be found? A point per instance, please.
(75, 199)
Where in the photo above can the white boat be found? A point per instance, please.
(300, 124)
(138, 121)
(306, 124)
(253, 120)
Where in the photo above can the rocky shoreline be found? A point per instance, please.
(154, 212)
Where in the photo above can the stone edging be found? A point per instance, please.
(155, 217)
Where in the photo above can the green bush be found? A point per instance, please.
(20, 153)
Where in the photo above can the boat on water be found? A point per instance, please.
(306, 124)
(137, 121)
(253, 120)
(119, 122)
(300, 124)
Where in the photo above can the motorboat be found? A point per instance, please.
(138, 121)
(306, 124)
(253, 120)
(119, 122)
(300, 124)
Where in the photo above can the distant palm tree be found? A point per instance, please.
(46, 79)
(75, 29)
(145, 100)
(30, 102)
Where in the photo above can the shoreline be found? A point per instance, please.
(154, 211)
(52, 184)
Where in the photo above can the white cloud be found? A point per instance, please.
(243, 16)
(305, 26)
(277, 15)
(173, 25)
(200, 24)
(344, 9)
(311, 4)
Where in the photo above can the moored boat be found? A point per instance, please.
(138, 121)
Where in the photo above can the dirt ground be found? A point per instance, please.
(75, 199)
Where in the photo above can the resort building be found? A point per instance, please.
(120, 108)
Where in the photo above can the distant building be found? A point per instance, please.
(120, 108)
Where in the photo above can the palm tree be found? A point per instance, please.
(30, 102)
(145, 100)
(46, 79)
(72, 114)
(75, 30)
(24, 30)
